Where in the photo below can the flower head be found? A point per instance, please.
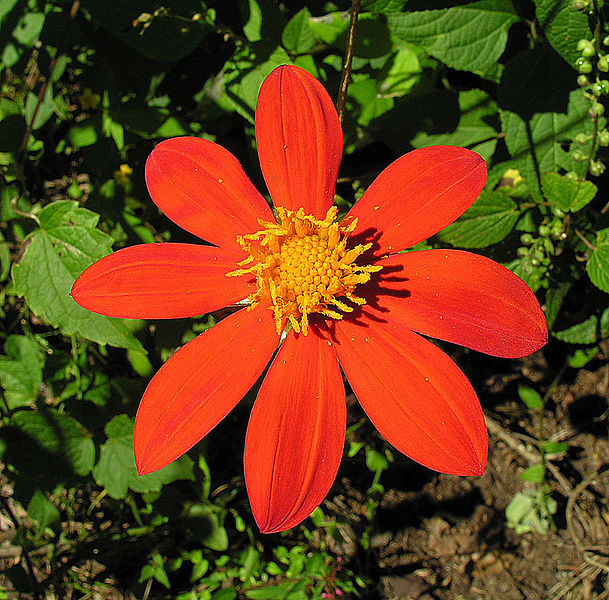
(344, 291)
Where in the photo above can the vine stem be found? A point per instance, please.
(344, 82)
(43, 90)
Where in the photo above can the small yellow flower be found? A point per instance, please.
(122, 175)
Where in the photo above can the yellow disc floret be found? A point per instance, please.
(302, 266)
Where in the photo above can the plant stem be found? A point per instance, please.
(344, 83)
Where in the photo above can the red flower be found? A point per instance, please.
(351, 296)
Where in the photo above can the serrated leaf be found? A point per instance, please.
(566, 194)
(588, 331)
(472, 131)
(116, 471)
(297, 36)
(563, 26)
(535, 145)
(536, 81)
(530, 397)
(598, 261)
(59, 435)
(66, 243)
(20, 370)
(490, 219)
(468, 38)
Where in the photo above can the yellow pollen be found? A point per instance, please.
(302, 266)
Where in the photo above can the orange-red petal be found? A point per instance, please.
(300, 141)
(161, 281)
(200, 384)
(202, 188)
(414, 394)
(418, 195)
(296, 433)
(461, 298)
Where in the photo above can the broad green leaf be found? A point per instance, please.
(297, 36)
(61, 436)
(149, 122)
(116, 471)
(364, 102)
(470, 37)
(589, 331)
(536, 81)
(383, 6)
(85, 133)
(490, 219)
(581, 357)
(330, 27)
(566, 194)
(66, 243)
(472, 131)
(28, 29)
(598, 261)
(403, 73)
(535, 145)
(530, 397)
(563, 26)
(20, 370)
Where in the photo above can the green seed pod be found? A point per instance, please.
(603, 137)
(581, 4)
(526, 239)
(522, 252)
(557, 212)
(597, 167)
(582, 81)
(586, 47)
(582, 138)
(544, 230)
(606, 41)
(597, 110)
(578, 156)
(602, 64)
(583, 65)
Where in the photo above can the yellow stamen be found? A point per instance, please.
(302, 266)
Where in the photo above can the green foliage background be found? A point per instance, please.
(87, 90)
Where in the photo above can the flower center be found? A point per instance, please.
(302, 266)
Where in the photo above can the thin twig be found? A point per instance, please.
(43, 91)
(577, 491)
(344, 83)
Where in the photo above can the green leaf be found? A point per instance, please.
(490, 219)
(12, 133)
(116, 471)
(581, 357)
(45, 110)
(375, 461)
(403, 73)
(563, 26)
(598, 261)
(549, 447)
(41, 509)
(330, 27)
(20, 370)
(534, 474)
(85, 133)
(530, 397)
(468, 38)
(535, 145)
(588, 331)
(536, 81)
(472, 131)
(566, 194)
(59, 435)
(298, 37)
(203, 522)
(66, 243)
